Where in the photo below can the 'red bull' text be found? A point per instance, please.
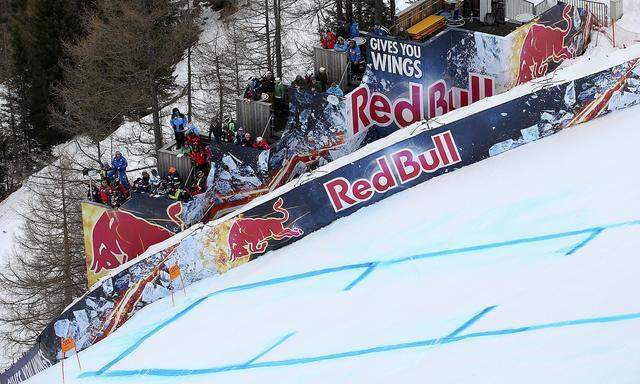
(398, 168)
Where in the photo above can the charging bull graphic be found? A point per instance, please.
(119, 236)
(544, 45)
(248, 236)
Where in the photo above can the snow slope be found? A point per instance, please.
(520, 268)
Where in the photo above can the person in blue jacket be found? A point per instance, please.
(379, 30)
(354, 29)
(355, 59)
(119, 164)
(341, 45)
(179, 125)
(335, 90)
(191, 127)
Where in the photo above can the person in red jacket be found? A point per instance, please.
(199, 159)
(199, 184)
(261, 143)
(328, 40)
(105, 192)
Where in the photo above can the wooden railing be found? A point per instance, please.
(416, 13)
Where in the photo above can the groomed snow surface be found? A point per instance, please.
(519, 269)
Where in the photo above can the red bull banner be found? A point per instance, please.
(406, 82)
(114, 237)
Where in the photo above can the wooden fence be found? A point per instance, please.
(513, 8)
(334, 62)
(417, 12)
(254, 117)
(167, 157)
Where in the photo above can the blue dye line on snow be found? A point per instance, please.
(367, 351)
(471, 321)
(584, 242)
(238, 288)
(366, 265)
(362, 276)
(271, 348)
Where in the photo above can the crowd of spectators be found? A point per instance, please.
(229, 132)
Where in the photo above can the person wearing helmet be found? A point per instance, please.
(322, 80)
(261, 143)
(174, 184)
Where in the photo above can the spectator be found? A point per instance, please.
(354, 29)
(199, 184)
(261, 143)
(341, 45)
(215, 129)
(379, 30)
(104, 171)
(355, 59)
(231, 125)
(105, 192)
(192, 128)
(154, 180)
(328, 40)
(309, 80)
(119, 164)
(173, 184)
(403, 34)
(268, 85)
(178, 122)
(247, 140)
(239, 136)
(342, 29)
(143, 184)
(321, 80)
(119, 194)
(335, 90)
(93, 194)
(199, 159)
(299, 82)
(280, 92)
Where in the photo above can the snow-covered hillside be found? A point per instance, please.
(10, 222)
(521, 268)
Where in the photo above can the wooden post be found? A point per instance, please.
(174, 273)
(613, 30)
(67, 345)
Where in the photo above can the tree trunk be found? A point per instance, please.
(392, 11)
(189, 83)
(339, 11)
(220, 91)
(66, 248)
(155, 107)
(267, 35)
(378, 10)
(349, 9)
(278, 37)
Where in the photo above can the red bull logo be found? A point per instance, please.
(119, 236)
(542, 46)
(249, 236)
(407, 165)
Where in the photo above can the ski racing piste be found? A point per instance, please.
(404, 159)
(521, 268)
(405, 82)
